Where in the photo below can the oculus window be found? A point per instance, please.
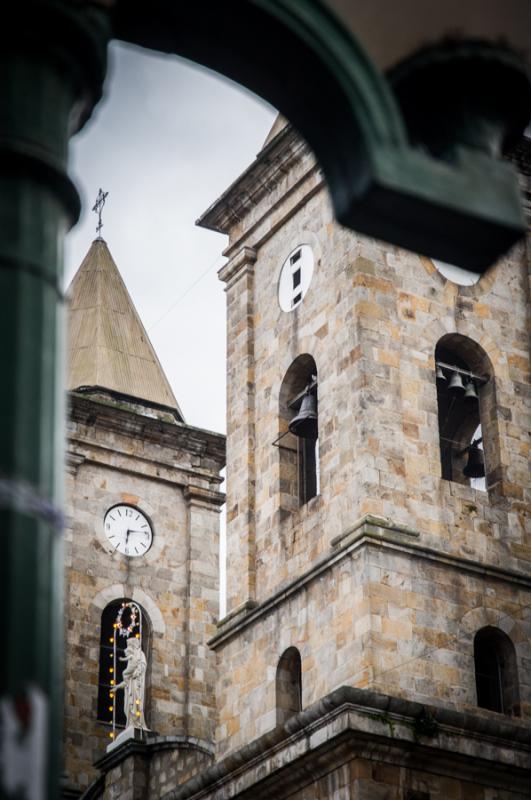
(295, 277)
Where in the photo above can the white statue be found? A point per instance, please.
(134, 684)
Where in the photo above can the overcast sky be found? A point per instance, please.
(165, 141)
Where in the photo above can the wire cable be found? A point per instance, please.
(186, 292)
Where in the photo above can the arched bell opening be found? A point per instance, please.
(496, 672)
(466, 401)
(288, 685)
(298, 435)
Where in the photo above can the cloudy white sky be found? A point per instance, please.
(165, 141)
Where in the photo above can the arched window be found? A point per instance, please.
(467, 412)
(298, 439)
(288, 685)
(496, 672)
(119, 620)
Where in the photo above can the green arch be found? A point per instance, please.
(301, 59)
(298, 55)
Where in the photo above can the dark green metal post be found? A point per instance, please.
(52, 65)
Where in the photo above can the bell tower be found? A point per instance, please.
(379, 561)
(141, 555)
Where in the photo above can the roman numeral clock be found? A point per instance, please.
(128, 530)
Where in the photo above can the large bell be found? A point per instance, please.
(304, 424)
(440, 376)
(456, 384)
(470, 392)
(475, 467)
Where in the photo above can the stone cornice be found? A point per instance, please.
(366, 532)
(258, 180)
(150, 744)
(202, 498)
(275, 215)
(173, 435)
(240, 264)
(350, 723)
(73, 461)
(154, 469)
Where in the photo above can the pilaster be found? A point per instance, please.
(202, 598)
(241, 570)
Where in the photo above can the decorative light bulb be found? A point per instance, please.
(111, 669)
(111, 639)
(111, 708)
(112, 683)
(111, 735)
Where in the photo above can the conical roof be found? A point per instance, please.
(109, 347)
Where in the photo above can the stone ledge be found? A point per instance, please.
(152, 744)
(350, 723)
(367, 531)
(241, 263)
(203, 498)
(141, 464)
(376, 526)
(174, 435)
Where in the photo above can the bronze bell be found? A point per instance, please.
(470, 392)
(456, 384)
(304, 424)
(475, 467)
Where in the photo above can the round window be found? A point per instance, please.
(295, 277)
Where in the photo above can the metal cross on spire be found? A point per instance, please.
(98, 208)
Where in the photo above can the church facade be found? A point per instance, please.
(378, 636)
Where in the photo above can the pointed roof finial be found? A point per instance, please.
(98, 208)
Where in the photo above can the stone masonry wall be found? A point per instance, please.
(366, 780)
(378, 615)
(175, 582)
(371, 320)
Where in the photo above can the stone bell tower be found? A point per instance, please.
(377, 642)
(132, 457)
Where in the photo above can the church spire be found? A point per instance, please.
(110, 350)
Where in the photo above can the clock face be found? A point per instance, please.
(128, 530)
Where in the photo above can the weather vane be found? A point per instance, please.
(98, 208)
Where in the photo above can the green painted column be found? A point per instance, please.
(52, 65)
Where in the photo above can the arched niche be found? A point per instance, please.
(496, 671)
(117, 624)
(288, 685)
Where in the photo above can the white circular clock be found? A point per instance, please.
(128, 530)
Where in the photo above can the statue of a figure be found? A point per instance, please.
(134, 684)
